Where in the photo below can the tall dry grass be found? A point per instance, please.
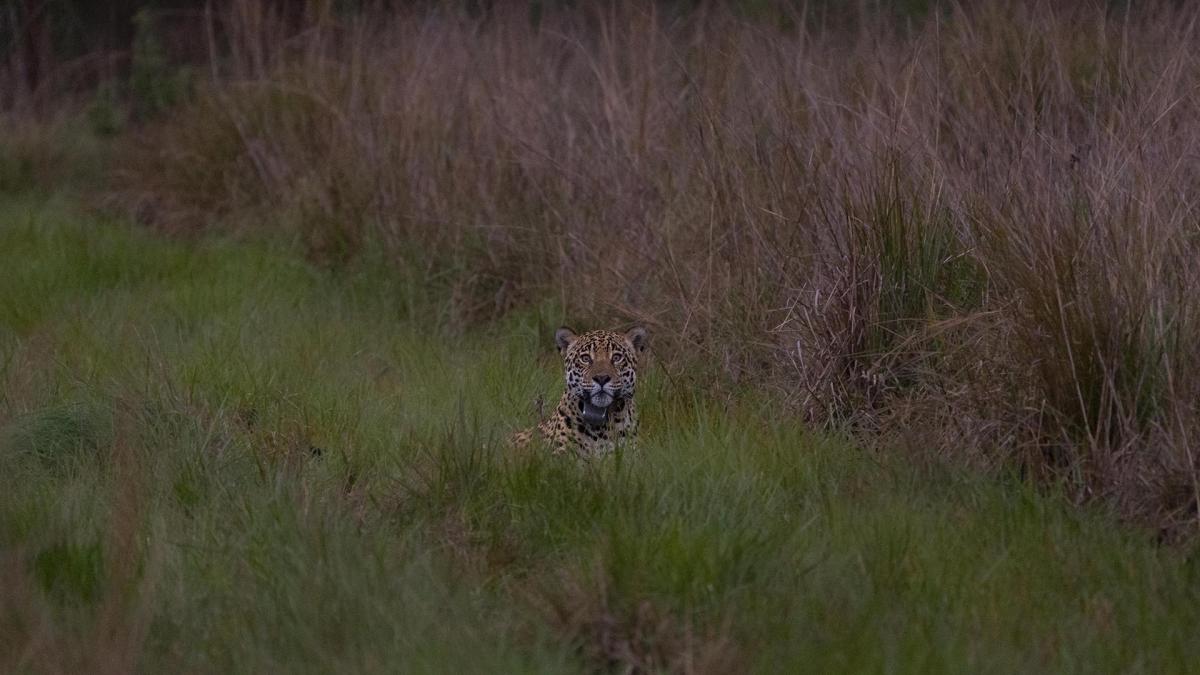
(975, 232)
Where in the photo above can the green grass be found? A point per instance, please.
(214, 458)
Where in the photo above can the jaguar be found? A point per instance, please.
(596, 412)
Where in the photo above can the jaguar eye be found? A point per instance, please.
(585, 359)
(617, 358)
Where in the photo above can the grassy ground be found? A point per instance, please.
(214, 458)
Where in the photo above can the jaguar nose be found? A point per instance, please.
(601, 379)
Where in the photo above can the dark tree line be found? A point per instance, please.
(51, 47)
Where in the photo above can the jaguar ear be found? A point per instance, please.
(563, 337)
(637, 337)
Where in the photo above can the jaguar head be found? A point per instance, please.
(600, 369)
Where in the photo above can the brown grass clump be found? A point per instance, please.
(84, 607)
(641, 638)
(980, 225)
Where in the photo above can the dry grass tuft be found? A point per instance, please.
(613, 635)
(104, 589)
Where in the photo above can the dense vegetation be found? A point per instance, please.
(974, 232)
(215, 458)
(277, 279)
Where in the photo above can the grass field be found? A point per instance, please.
(965, 226)
(215, 458)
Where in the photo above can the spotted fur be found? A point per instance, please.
(596, 413)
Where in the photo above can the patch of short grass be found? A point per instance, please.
(216, 459)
